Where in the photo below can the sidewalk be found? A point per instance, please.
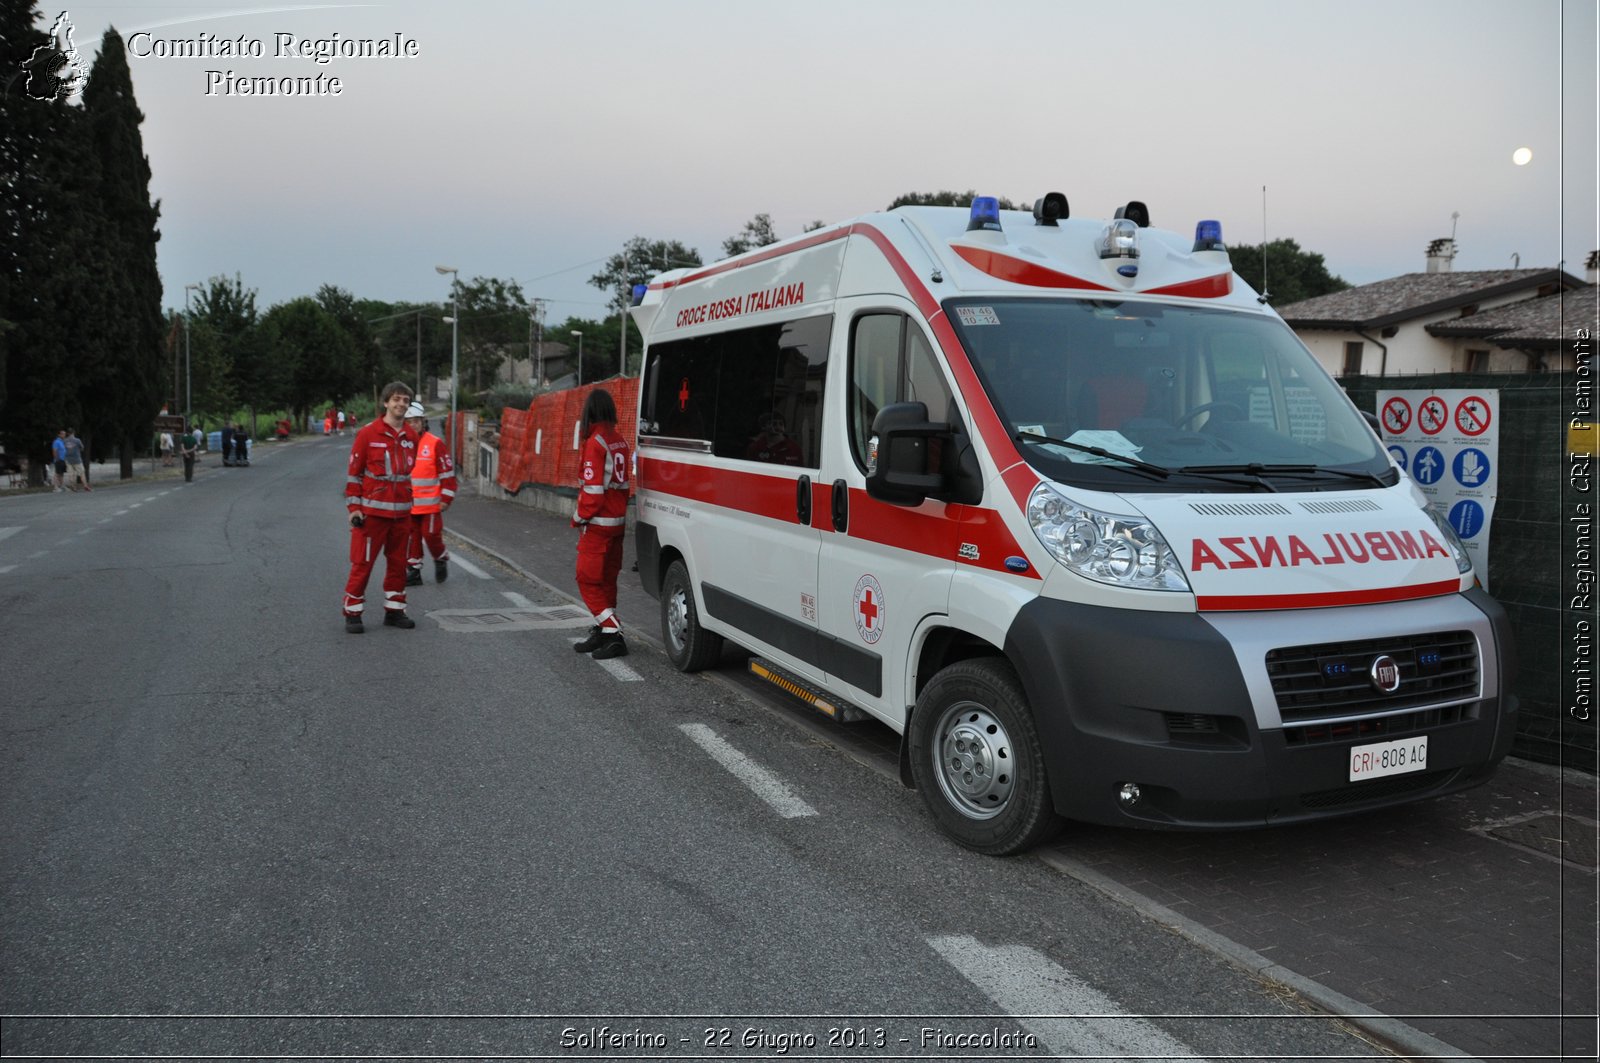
(1463, 925)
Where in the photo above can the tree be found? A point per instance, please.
(494, 321)
(757, 232)
(946, 198)
(316, 356)
(229, 367)
(55, 325)
(640, 259)
(127, 407)
(1291, 274)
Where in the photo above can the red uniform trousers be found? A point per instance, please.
(427, 528)
(599, 562)
(388, 536)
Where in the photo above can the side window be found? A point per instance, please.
(890, 361)
(754, 394)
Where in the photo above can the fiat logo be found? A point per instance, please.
(1385, 674)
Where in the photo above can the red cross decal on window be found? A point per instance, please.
(869, 611)
(683, 394)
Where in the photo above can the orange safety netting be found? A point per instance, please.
(541, 445)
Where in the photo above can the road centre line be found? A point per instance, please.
(518, 600)
(1069, 1016)
(762, 782)
(6, 533)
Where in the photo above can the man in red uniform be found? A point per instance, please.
(378, 495)
(602, 513)
(433, 488)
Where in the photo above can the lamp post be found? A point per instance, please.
(455, 351)
(578, 333)
(188, 371)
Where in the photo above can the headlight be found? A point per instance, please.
(1457, 548)
(1123, 551)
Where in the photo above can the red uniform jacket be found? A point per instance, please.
(379, 484)
(603, 490)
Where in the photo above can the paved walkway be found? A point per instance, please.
(1460, 927)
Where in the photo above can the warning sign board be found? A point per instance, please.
(1455, 457)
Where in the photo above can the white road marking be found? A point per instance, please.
(152, 498)
(518, 600)
(1070, 1017)
(469, 567)
(6, 569)
(118, 513)
(620, 671)
(762, 782)
(6, 533)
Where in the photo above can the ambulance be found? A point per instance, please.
(1066, 506)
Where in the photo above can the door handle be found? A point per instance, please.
(802, 500)
(841, 505)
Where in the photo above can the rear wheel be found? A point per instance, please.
(689, 646)
(977, 760)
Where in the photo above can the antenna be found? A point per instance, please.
(1454, 217)
(1265, 295)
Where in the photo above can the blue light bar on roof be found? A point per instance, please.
(985, 214)
(638, 293)
(1208, 236)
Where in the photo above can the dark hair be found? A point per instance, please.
(396, 387)
(598, 408)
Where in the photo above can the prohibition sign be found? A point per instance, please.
(1472, 415)
(1432, 415)
(1396, 416)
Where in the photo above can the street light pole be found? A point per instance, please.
(455, 351)
(188, 364)
(578, 333)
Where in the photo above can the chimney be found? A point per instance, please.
(1440, 254)
(1591, 268)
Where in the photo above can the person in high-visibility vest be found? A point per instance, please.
(602, 513)
(433, 488)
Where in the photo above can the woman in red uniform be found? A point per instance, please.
(602, 514)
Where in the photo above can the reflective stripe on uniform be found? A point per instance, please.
(608, 522)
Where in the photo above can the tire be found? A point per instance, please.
(977, 761)
(689, 646)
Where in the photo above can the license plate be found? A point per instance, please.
(1388, 758)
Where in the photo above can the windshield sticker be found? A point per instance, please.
(1106, 439)
(977, 315)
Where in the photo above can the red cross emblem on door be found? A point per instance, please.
(869, 609)
(683, 394)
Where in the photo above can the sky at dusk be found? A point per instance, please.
(531, 140)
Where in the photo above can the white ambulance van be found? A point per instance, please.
(1069, 508)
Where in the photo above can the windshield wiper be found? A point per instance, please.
(1256, 468)
(1099, 452)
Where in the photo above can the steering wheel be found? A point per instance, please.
(1209, 407)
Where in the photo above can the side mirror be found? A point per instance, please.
(906, 469)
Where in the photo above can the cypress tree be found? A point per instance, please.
(125, 399)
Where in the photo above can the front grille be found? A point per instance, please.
(1375, 727)
(1328, 682)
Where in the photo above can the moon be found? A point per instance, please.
(1522, 156)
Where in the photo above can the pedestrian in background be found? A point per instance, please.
(76, 459)
(377, 493)
(166, 448)
(58, 456)
(602, 514)
(433, 488)
(227, 442)
(189, 445)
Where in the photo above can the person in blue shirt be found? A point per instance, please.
(75, 459)
(58, 451)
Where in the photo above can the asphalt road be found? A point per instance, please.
(229, 828)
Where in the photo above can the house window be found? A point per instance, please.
(1477, 361)
(1352, 359)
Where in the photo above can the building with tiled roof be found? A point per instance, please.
(1442, 321)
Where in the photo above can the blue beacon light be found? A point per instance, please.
(985, 214)
(1208, 236)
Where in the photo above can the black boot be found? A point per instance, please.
(591, 641)
(414, 576)
(398, 618)
(441, 570)
(611, 645)
(353, 624)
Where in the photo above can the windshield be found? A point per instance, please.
(1199, 399)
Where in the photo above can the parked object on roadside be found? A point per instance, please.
(1075, 514)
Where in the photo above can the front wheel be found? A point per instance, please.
(689, 646)
(977, 760)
